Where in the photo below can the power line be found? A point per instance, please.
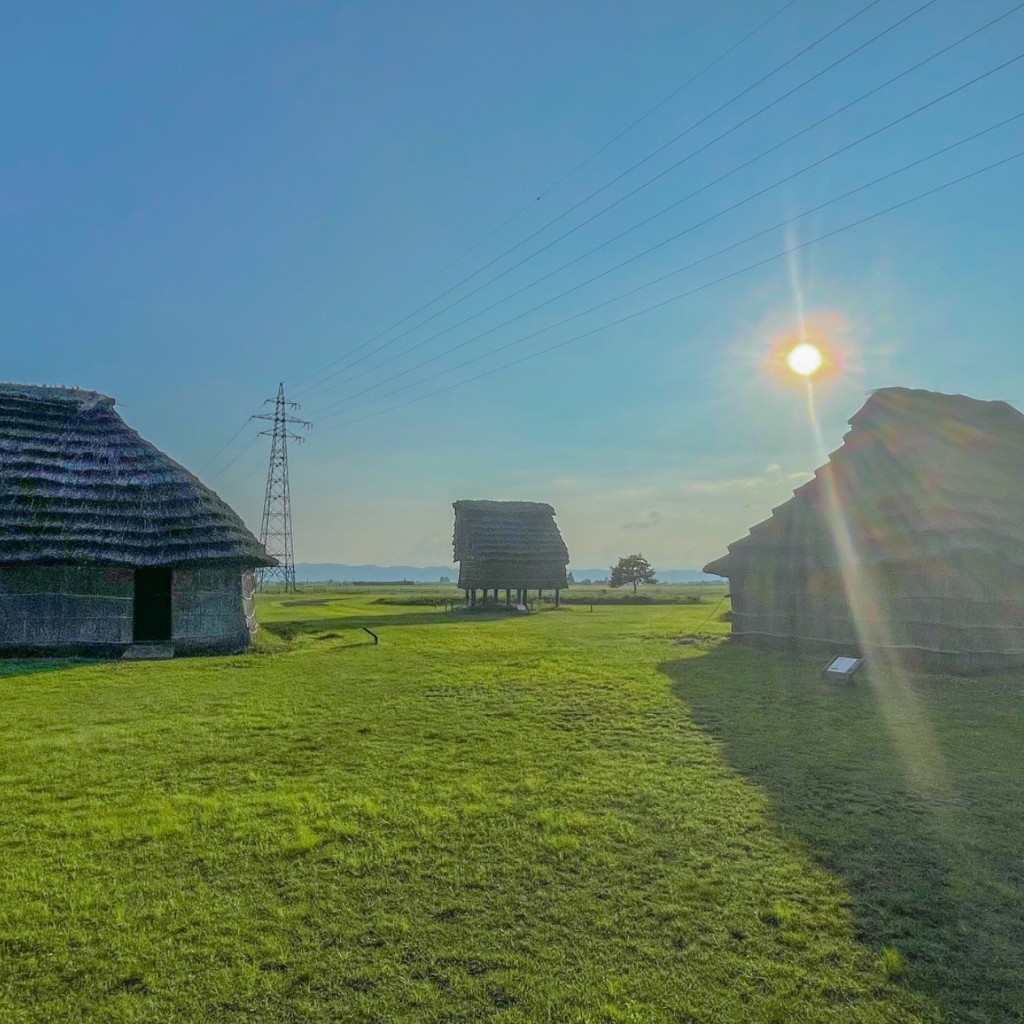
(578, 167)
(676, 298)
(225, 468)
(248, 476)
(618, 266)
(237, 482)
(686, 198)
(691, 265)
(743, 92)
(216, 455)
(623, 198)
(675, 92)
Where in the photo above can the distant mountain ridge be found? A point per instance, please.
(321, 572)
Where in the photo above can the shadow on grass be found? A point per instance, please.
(912, 795)
(292, 629)
(12, 667)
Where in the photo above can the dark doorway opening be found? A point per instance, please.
(152, 616)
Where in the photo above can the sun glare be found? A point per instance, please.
(805, 359)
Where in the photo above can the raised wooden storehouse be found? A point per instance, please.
(910, 541)
(512, 546)
(105, 542)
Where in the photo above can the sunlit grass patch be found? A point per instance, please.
(302, 840)
(892, 963)
(478, 819)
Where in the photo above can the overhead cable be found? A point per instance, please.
(675, 237)
(578, 167)
(692, 291)
(216, 455)
(676, 138)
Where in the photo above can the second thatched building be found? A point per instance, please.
(512, 546)
(907, 544)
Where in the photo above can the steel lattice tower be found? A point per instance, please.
(276, 528)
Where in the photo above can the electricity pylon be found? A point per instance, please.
(276, 528)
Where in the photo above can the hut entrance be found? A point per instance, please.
(152, 616)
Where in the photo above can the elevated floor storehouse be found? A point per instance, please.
(511, 546)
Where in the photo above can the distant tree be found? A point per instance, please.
(444, 579)
(586, 583)
(569, 579)
(631, 569)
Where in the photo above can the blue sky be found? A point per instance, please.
(201, 200)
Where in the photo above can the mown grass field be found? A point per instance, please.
(572, 816)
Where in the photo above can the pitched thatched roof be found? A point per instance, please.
(77, 485)
(922, 479)
(503, 530)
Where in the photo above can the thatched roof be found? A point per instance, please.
(923, 480)
(512, 544)
(78, 486)
(502, 530)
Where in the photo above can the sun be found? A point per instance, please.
(805, 359)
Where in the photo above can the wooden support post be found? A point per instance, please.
(466, 592)
(495, 595)
(558, 599)
(508, 597)
(472, 598)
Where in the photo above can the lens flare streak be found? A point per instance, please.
(904, 715)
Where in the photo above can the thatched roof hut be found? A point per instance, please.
(508, 545)
(104, 540)
(910, 540)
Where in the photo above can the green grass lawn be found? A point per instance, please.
(910, 790)
(561, 817)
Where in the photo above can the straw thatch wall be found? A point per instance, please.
(508, 545)
(82, 610)
(85, 502)
(910, 541)
(64, 607)
(207, 610)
